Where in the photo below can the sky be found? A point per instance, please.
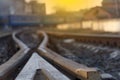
(70, 5)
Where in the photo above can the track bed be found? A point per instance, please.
(106, 59)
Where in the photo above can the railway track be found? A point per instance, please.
(97, 39)
(8, 68)
(79, 71)
(102, 58)
(42, 63)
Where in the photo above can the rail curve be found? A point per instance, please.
(78, 70)
(16, 60)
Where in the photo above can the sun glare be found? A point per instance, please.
(71, 5)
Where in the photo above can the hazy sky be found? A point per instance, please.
(71, 5)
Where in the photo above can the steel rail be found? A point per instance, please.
(15, 61)
(35, 63)
(99, 39)
(79, 70)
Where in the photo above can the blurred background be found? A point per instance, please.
(75, 15)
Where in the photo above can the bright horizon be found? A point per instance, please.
(70, 5)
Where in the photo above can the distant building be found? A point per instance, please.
(109, 9)
(28, 9)
(97, 13)
(19, 6)
(15, 7)
(5, 7)
(37, 8)
(112, 6)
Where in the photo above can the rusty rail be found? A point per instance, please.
(99, 39)
(79, 70)
(12, 64)
(37, 62)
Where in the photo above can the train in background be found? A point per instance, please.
(20, 20)
(15, 21)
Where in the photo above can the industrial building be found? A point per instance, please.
(21, 7)
(109, 9)
(36, 8)
(12, 7)
(112, 6)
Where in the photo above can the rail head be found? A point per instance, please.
(35, 63)
(44, 42)
(8, 67)
(80, 70)
(10, 64)
(83, 34)
(20, 43)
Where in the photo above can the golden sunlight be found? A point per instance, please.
(71, 5)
